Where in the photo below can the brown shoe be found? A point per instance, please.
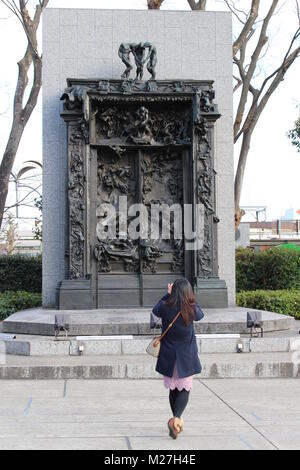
(178, 425)
(172, 431)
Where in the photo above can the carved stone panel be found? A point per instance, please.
(117, 176)
(77, 200)
(153, 178)
(141, 125)
(206, 196)
(162, 186)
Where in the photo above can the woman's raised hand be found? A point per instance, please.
(170, 287)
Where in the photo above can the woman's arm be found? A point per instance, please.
(198, 312)
(157, 310)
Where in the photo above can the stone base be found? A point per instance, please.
(114, 292)
(211, 293)
(135, 322)
(75, 295)
(78, 294)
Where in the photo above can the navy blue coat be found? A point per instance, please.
(179, 344)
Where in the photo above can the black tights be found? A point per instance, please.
(178, 401)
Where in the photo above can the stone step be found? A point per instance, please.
(135, 322)
(41, 346)
(215, 366)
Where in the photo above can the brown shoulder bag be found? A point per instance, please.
(154, 347)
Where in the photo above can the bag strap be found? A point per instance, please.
(169, 327)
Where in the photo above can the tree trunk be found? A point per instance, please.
(8, 162)
(154, 4)
(239, 177)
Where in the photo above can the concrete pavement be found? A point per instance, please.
(125, 415)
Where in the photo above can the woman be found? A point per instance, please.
(178, 359)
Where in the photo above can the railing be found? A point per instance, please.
(275, 230)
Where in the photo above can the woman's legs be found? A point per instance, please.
(181, 402)
(172, 399)
(178, 401)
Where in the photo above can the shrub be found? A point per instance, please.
(286, 302)
(272, 269)
(21, 272)
(11, 302)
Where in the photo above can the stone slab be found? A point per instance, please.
(215, 366)
(228, 414)
(64, 444)
(39, 346)
(45, 389)
(135, 322)
(204, 442)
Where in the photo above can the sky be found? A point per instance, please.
(273, 167)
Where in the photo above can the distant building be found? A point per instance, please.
(25, 245)
(289, 214)
(265, 235)
(242, 236)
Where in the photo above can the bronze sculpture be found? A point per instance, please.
(152, 142)
(138, 50)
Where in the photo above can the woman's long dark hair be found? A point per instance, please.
(183, 299)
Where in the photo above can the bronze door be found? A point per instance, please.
(135, 267)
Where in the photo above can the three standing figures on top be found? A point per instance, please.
(138, 50)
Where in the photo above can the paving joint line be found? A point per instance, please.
(28, 407)
(238, 414)
(65, 389)
(127, 439)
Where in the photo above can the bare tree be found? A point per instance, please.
(22, 111)
(9, 234)
(252, 42)
(154, 4)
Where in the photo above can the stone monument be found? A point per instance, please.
(147, 140)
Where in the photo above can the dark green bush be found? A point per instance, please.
(272, 269)
(11, 302)
(286, 302)
(20, 272)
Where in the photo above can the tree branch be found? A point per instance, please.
(263, 39)
(278, 75)
(248, 28)
(298, 10)
(238, 85)
(235, 11)
(21, 202)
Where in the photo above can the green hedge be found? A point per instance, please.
(286, 302)
(272, 269)
(21, 272)
(11, 302)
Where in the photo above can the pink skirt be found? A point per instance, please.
(176, 382)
